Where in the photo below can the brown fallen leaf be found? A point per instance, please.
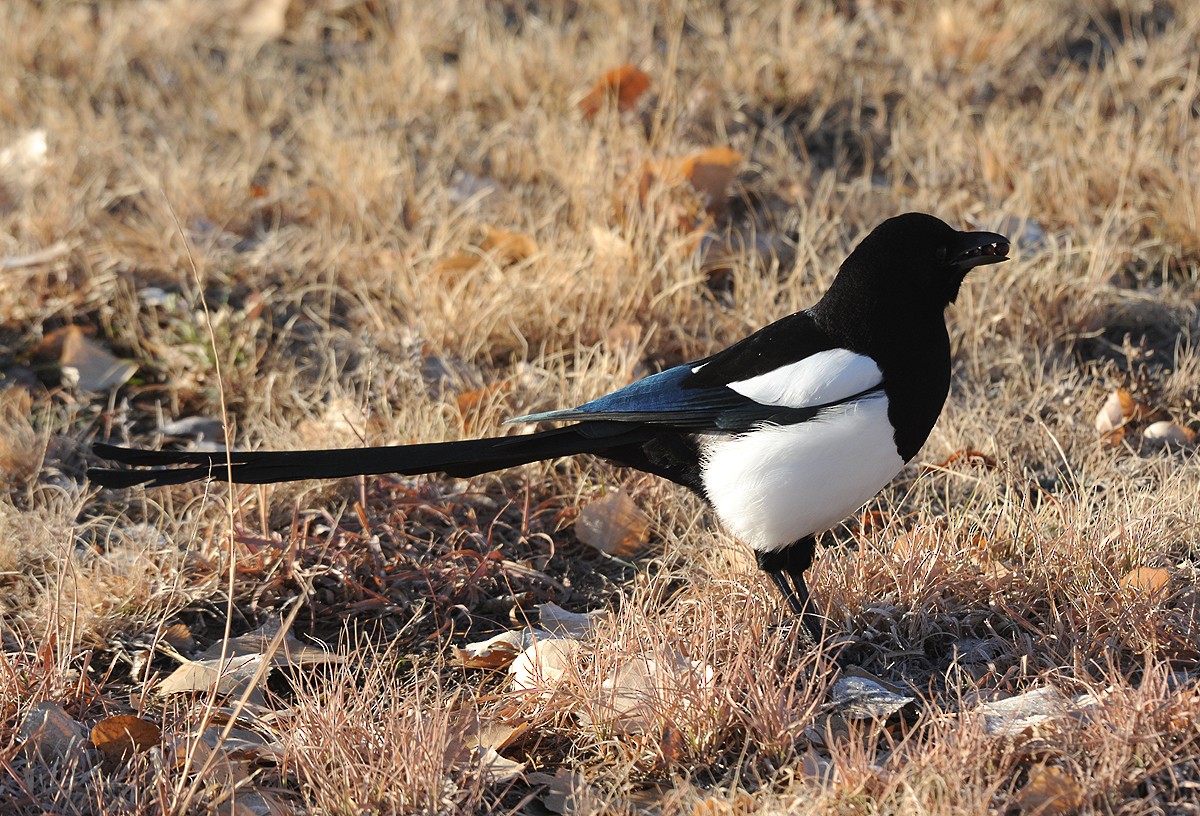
(614, 525)
(121, 736)
(51, 733)
(1151, 582)
(179, 637)
(471, 403)
(626, 84)
(1050, 791)
(504, 247)
(88, 366)
(710, 173)
(562, 790)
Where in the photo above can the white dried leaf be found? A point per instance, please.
(1025, 712)
(638, 691)
(614, 525)
(24, 161)
(544, 665)
(1168, 435)
(559, 621)
(229, 676)
(499, 769)
(498, 651)
(90, 367)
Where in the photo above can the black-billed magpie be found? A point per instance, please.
(784, 433)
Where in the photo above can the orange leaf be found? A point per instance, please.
(1119, 409)
(967, 456)
(507, 247)
(471, 403)
(1049, 791)
(119, 737)
(710, 172)
(504, 246)
(457, 262)
(626, 83)
(614, 525)
(1150, 581)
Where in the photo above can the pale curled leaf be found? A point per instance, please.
(498, 651)
(1168, 435)
(817, 767)
(498, 769)
(260, 803)
(23, 161)
(261, 21)
(90, 367)
(636, 694)
(291, 651)
(579, 625)
(544, 665)
(614, 525)
(1030, 711)
(498, 735)
(1119, 408)
(228, 676)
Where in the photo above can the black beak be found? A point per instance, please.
(972, 249)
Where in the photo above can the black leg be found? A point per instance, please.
(792, 561)
(786, 590)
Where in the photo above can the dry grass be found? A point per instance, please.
(273, 226)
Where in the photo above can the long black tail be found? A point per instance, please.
(466, 458)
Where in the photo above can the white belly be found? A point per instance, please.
(778, 484)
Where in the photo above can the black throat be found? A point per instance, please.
(909, 342)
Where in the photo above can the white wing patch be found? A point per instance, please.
(822, 378)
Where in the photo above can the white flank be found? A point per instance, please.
(779, 483)
(824, 377)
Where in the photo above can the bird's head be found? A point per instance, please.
(917, 260)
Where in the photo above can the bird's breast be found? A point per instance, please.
(778, 483)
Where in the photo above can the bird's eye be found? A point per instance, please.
(940, 254)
